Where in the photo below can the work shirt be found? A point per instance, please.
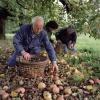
(26, 40)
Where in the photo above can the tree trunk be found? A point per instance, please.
(2, 28)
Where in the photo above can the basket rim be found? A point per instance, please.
(33, 63)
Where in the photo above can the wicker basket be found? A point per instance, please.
(32, 68)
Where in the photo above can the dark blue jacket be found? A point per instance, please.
(25, 39)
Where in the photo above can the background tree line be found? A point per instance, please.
(83, 14)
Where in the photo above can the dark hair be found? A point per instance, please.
(52, 24)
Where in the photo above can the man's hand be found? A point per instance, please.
(26, 55)
(54, 69)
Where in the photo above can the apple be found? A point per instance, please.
(47, 95)
(41, 85)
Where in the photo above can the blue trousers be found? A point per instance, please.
(12, 60)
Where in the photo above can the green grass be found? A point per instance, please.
(87, 43)
(84, 42)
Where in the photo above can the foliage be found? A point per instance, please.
(84, 14)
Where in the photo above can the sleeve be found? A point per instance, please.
(74, 37)
(18, 39)
(49, 48)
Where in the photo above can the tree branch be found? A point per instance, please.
(20, 4)
(66, 5)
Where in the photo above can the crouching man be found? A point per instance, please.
(28, 40)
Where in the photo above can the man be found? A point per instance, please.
(68, 37)
(50, 27)
(28, 40)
